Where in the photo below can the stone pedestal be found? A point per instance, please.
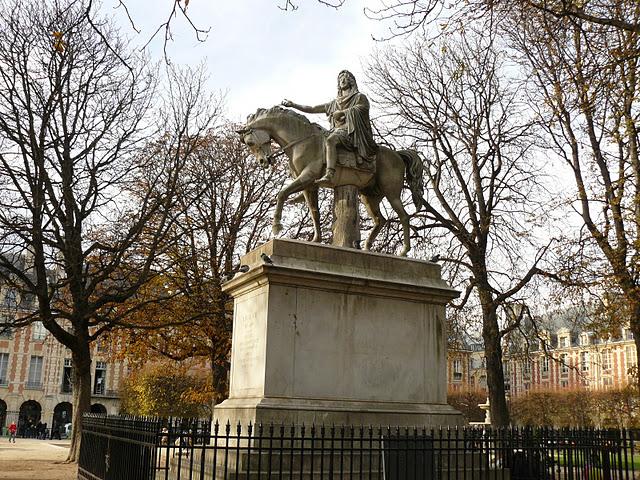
(337, 336)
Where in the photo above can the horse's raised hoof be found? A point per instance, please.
(276, 229)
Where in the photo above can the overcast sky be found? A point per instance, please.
(260, 54)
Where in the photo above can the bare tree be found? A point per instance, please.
(457, 104)
(406, 16)
(585, 85)
(225, 201)
(73, 120)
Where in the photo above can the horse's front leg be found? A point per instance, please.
(276, 228)
(300, 183)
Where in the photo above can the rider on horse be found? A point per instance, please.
(350, 124)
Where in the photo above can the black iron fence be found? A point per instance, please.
(143, 448)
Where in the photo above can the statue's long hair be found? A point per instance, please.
(352, 78)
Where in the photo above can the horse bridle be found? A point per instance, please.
(280, 151)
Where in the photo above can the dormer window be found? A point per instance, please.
(38, 332)
(563, 341)
(544, 340)
(585, 339)
(10, 299)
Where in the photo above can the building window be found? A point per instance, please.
(67, 376)
(584, 361)
(101, 346)
(627, 334)
(563, 342)
(38, 332)
(100, 378)
(607, 381)
(5, 329)
(457, 369)
(544, 340)
(506, 368)
(564, 383)
(584, 339)
(544, 366)
(606, 360)
(35, 373)
(630, 357)
(10, 299)
(564, 361)
(526, 367)
(4, 367)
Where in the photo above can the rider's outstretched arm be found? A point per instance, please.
(305, 108)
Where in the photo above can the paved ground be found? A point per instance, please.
(35, 459)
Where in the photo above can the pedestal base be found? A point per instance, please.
(308, 412)
(334, 335)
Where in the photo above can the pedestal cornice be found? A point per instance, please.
(342, 270)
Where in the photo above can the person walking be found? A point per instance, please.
(13, 428)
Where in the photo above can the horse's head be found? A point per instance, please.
(259, 143)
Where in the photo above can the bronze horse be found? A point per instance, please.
(303, 142)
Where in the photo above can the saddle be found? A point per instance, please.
(351, 159)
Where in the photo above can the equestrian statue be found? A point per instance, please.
(344, 155)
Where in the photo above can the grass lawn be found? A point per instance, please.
(578, 460)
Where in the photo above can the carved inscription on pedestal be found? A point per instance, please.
(248, 349)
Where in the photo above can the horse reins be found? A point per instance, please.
(279, 152)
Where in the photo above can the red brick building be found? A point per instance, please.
(35, 374)
(574, 360)
(564, 358)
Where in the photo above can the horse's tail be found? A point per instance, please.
(415, 171)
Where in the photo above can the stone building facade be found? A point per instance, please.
(459, 368)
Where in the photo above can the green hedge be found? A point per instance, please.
(614, 408)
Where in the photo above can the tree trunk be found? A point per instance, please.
(634, 326)
(81, 397)
(346, 217)
(493, 358)
(220, 381)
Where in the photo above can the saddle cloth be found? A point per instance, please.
(350, 159)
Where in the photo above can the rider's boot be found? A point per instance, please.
(328, 176)
(332, 158)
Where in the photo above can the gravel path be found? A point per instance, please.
(35, 459)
